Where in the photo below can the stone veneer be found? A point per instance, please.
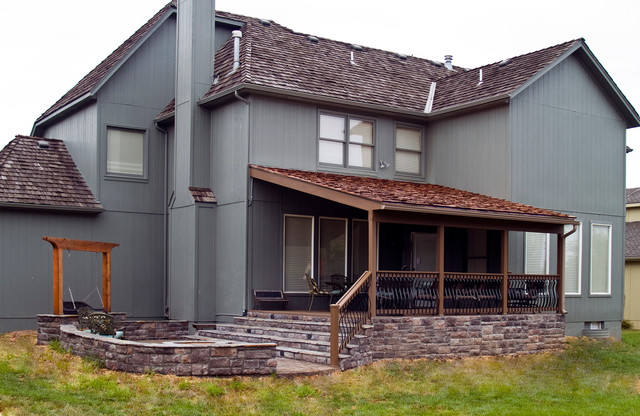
(187, 357)
(49, 325)
(447, 337)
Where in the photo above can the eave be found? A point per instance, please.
(57, 208)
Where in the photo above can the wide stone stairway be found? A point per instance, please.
(298, 335)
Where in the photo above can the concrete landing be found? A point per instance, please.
(295, 368)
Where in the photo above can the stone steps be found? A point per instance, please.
(299, 336)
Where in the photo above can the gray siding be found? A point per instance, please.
(568, 154)
(471, 152)
(80, 135)
(26, 267)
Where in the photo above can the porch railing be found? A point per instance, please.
(348, 315)
(417, 293)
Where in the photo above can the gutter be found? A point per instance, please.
(249, 199)
(42, 207)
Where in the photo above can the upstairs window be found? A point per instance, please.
(125, 152)
(600, 259)
(408, 150)
(346, 141)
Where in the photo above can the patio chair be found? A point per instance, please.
(314, 290)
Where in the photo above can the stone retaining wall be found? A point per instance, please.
(145, 330)
(448, 337)
(49, 325)
(189, 359)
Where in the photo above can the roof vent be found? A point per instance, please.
(236, 35)
(356, 47)
(401, 56)
(312, 39)
(480, 81)
(265, 22)
(43, 144)
(448, 62)
(505, 62)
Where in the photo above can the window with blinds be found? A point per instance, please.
(600, 259)
(408, 150)
(573, 261)
(125, 152)
(298, 252)
(536, 260)
(346, 141)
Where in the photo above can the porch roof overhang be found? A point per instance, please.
(396, 201)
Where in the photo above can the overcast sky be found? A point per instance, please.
(48, 46)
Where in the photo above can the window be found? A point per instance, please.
(600, 259)
(298, 252)
(333, 248)
(572, 261)
(536, 259)
(345, 141)
(360, 248)
(408, 150)
(125, 152)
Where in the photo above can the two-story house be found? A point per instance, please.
(231, 154)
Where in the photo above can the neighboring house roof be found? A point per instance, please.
(632, 240)
(202, 195)
(633, 196)
(98, 75)
(40, 173)
(409, 194)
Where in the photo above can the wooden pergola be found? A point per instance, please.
(60, 244)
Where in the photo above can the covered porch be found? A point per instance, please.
(426, 250)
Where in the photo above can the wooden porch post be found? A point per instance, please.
(373, 259)
(505, 270)
(560, 273)
(440, 268)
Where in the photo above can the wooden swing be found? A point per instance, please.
(60, 244)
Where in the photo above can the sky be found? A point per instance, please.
(48, 46)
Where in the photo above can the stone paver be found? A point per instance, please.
(295, 368)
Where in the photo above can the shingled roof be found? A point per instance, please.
(632, 240)
(40, 173)
(412, 193)
(633, 196)
(103, 69)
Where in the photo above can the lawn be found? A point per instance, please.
(588, 378)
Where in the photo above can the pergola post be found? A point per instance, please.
(60, 244)
(373, 259)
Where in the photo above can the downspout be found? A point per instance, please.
(165, 225)
(561, 240)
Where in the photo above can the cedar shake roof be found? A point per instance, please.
(632, 240)
(202, 195)
(94, 77)
(497, 79)
(41, 172)
(633, 196)
(411, 193)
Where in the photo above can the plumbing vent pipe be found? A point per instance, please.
(236, 35)
(448, 62)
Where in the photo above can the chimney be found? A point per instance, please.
(236, 35)
(448, 62)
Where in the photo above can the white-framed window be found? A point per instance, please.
(359, 247)
(298, 252)
(346, 141)
(125, 152)
(408, 158)
(600, 259)
(536, 253)
(573, 261)
(332, 246)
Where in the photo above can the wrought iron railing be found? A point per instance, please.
(406, 293)
(530, 293)
(349, 314)
(472, 293)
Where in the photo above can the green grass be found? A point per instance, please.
(588, 378)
